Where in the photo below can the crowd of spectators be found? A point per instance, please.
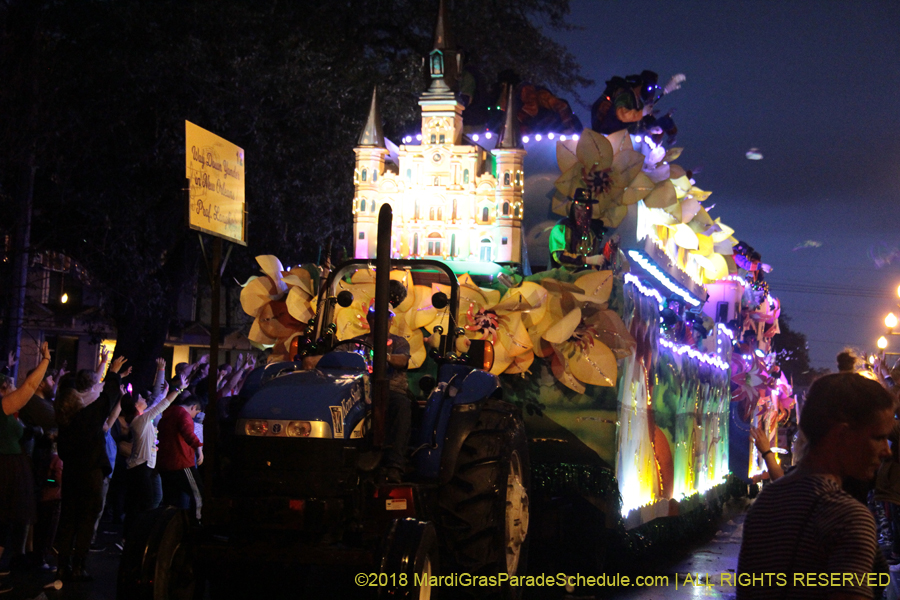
(74, 443)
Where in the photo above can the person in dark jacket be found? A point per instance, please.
(82, 408)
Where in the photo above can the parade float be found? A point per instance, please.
(642, 354)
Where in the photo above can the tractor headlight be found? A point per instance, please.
(283, 428)
(256, 427)
(299, 429)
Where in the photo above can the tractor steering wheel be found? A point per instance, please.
(357, 346)
(353, 345)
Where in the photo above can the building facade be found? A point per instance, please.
(451, 199)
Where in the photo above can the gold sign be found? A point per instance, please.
(215, 171)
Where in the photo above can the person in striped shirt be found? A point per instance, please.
(804, 537)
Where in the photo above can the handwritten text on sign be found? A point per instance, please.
(215, 169)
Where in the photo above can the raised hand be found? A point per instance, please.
(117, 364)
(760, 440)
(674, 83)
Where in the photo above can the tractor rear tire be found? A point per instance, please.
(483, 509)
(158, 561)
(409, 560)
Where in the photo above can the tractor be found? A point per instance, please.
(295, 474)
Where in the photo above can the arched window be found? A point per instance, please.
(440, 213)
(454, 208)
(433, 138)
(516, 213)
(437, 181)
(466, 176)
(518, 177)
(505, 208)
(362, 205)
(417, 210)
(375, 176)
(442, 138)
(453, 244)
(485, 253)
(415, 245)
(363, 174)
(431, 213)
(506, 178)
(409, 175)
(372, 209)
(485, 214)
(434, 244)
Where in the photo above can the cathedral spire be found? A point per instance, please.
(442, 39)
(509, 138)
(372, 134)
(444, 61)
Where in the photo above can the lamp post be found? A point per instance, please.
(891, 322)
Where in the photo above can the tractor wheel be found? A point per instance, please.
(483, 509)
(409, 559)
(158, 558)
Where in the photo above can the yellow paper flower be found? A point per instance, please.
(606, 167)
(408, 315)
(280, 302)
(588, 338)
(505, 324)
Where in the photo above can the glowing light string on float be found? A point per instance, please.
(660, 276)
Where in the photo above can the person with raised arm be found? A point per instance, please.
(82, 409)
(17, 502)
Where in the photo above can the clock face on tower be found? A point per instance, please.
(437, 157)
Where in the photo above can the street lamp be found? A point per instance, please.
(882, 343)
(890, 321)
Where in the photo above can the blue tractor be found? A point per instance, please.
(296, 476)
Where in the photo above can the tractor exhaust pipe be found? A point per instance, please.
(380, 389)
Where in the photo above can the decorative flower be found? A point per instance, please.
(281, 303)
(588, 338)
(607, 168)
(409, 316)
(505, 324)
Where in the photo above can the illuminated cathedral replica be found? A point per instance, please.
(451, 200)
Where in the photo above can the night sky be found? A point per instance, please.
(815, 86)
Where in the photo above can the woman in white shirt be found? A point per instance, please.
(141, 474)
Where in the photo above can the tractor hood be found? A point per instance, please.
(334, 401)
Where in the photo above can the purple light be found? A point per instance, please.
(419, 137)
(575, 137)
(537, 138)
(525, 139)
(638, 139)
(550, 135)
(487, 135)
(563, 138)
(475, 138)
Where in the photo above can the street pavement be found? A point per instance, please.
(705, 571)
